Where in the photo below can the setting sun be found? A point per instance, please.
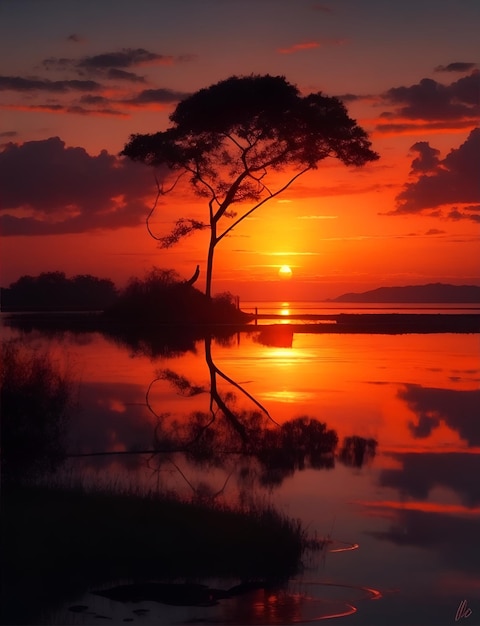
(285, 272)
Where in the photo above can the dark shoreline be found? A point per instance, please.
(342, 323)
(388, 323)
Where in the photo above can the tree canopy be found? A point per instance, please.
(229, 136)
(50, 291)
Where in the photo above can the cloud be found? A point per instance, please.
(351, 97)
(309, 45)
(458, 66)
(156, 96)
(113, 65)
(427, 159)
(88, 90)
(17, 83)
(421, 473)
(421, 127)
(453, 180)
(457, 409)
(112, 417)
(298, 47)
(67, 109)
(432, 101)
(116, 74)
(434, 231)
(471, 212)
(75, 38)
(454, 540)
(48, 188)
(127, 57)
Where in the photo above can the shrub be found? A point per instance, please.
(36, 400)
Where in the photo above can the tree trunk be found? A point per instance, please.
(211, 251)
(215, 397)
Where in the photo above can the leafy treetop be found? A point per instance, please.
(228, 136)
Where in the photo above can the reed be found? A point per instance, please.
(59, 541)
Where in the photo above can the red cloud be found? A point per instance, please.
(299, 46)
(309, 45)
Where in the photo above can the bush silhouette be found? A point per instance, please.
(36, 400)
(162, 298)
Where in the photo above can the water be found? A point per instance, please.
(404, 526)
(286, 308)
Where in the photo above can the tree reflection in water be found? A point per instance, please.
(245, 443)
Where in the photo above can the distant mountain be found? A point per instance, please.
(433, 292)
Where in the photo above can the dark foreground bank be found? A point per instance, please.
(58, 543)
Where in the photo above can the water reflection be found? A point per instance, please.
(247, 443)
(420, 474)
(413, 512)
(456, 408)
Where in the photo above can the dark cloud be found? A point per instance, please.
(58, 189)
(127, 57)
(159, 96)
(75, 38)
(453, 180)
(17, 83)
(458, 409)
(92, 75)
(350, 97)
(94, 100)
(471, 213)
(7, 135)
(397, 128)
(57, 63)
(422, 472)
(427, 159)
(79, 110)
(112, 415)
(75, 109)
(430, 100)
(434, 231)
(453, 538)
(112, 65)
(116, 74)
(110, 73)
(458, 66)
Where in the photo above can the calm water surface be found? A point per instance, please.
(405, 527)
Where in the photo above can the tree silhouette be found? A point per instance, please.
(54, 291)
(231, 137)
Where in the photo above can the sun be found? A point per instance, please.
(285, 272)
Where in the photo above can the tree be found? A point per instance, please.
(54, 291)
(231, 137)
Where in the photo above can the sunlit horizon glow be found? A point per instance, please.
(81, 85)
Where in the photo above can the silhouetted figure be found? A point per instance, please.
(194, 277)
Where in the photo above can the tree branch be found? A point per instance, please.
(160, 192)
(259, 204)
(183, 227)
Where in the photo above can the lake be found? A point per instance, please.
(402, 521)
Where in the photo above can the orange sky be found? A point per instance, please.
(90, 74)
